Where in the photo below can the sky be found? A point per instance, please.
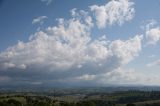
(79, 42)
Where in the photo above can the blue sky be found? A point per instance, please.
(55, 41)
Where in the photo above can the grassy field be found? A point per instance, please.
(123, 98)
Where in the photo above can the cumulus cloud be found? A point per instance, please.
(67, 51)
(129, 76)
(39, 20)
(114, 77)
(118, 76)
(152, 32)
(67, 45)
(153, 35)
(126, 50)
(115, 11)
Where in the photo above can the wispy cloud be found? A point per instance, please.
(155, 63)
(152, 56)
(39, 20)
(47, 1)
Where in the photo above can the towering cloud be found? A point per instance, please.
(68, 51)
(115, 11)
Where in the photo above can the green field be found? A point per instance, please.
(121, 98)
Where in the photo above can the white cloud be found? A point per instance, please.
(39, 20)
(68, 47)
(129, 76)
(68, 51)
(126, 50)
(47, 1)
(86, 77)
(118, 76)
(115, 11)
(73, 12)
(153, 35)
(60, 46)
